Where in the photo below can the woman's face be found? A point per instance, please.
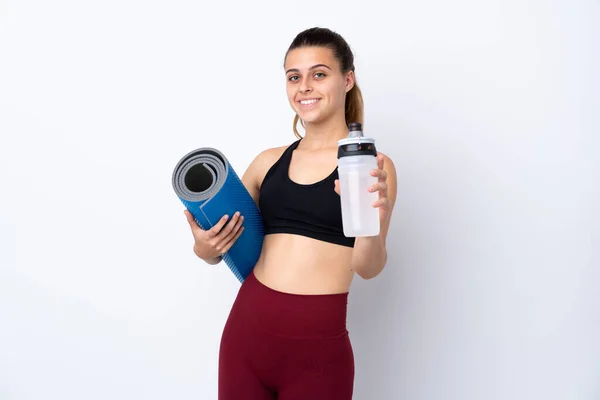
(316, 87)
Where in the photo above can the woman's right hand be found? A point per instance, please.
(211, 244)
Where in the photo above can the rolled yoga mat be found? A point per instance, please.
(209, 188)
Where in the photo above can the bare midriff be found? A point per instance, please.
(301, 265)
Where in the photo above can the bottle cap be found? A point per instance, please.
(356, 144)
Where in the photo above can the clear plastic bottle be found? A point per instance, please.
(357, 157)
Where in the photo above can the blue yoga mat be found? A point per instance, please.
(209, 188)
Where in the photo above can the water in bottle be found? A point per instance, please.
(357, 157)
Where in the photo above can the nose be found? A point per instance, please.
(305, 86)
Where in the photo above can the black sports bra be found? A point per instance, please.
(311, 210)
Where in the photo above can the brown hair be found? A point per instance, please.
(323, 37)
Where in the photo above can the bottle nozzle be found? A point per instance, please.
(355, 129)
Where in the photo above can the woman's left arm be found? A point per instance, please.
(369, 255)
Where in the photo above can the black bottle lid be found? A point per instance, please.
(356, 144)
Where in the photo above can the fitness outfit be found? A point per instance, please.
(286, 346)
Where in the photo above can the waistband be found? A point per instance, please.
(291, 315)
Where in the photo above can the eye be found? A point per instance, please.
(293, 78)
(320, 75)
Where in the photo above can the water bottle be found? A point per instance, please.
(357, 157)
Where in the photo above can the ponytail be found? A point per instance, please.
(354, 106)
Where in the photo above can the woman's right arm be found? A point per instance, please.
(210, 245)
(249, 179)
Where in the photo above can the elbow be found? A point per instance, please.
(369, 273)
(366, 275)
(372, 269)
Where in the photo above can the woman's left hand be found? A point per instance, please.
(383, 202)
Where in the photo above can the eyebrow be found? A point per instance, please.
(311, 68)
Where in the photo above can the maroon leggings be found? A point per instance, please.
(284, 346)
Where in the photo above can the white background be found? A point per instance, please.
(490, 111)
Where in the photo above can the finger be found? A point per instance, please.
(228, 227)
(337, 186)
(190, 219)
(232, 232)
(379, 186)
(381, 203)
(228, 245)
(379, 161)
(380, 173)
(214, 231)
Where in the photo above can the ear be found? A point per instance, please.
(350, 80)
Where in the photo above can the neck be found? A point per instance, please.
(325, 133)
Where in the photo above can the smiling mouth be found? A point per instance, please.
(308, 102)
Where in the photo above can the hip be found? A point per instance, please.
(263, 310)
(291, 343)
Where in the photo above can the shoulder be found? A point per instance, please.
(261, 164)
(269, 156)
(264, 160)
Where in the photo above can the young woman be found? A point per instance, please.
(286, 335)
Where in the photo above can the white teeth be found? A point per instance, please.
(307, 102)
